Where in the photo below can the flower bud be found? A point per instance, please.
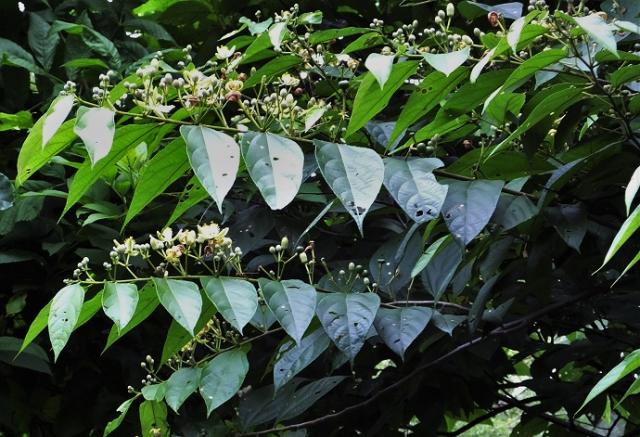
(451, 9)
(284, 242)
(303, 258)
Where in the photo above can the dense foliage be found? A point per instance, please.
(358, 218)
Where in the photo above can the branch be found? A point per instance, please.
(506, 328)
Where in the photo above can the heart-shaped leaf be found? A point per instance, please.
(399, 327)
(214, 158)
(414, 187)
(181, 299)
(293, 302)
(346, 318)
(380, 66)
(275, 165)
(180, 385)
(64, 313)
(119, 302)
(222, 377)
(355, 175)
(448, 62)
(293, 358)
(235, 299)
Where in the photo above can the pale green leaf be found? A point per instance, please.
(346, 318)
(119, 302)
(628, 228)
(428, 254)
(96, 128)
(355, 175)
(55, 116)
(235, 299)
(414, 187)
(598, 29)
(275, 165)
(181, 384)
(214, 157)
(181, 299)
(380, 66)
(293, 302)
(64, 313)
(222, 377)
(399, 327)
(447, 63)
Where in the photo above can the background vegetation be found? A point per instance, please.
(491, 277)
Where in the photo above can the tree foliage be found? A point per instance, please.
(372, 218)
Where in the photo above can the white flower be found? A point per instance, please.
(166, 235)
(224, 52)
(155, 243)
(289, 80)
(186, 237)
(318, 59)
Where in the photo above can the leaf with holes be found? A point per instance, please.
(181, 299)
(64, 313)
(235, 299)
(222, 377)
(413, 186)
(346, 318)
(469, 206)
(293, 302)
(119, 302)
(214, 157)
(275, 165)
(355, 175)
(399, 327)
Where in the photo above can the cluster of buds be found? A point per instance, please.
(83, 267)
(69, 87)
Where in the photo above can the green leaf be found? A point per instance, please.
(96, 128)
(42, 42)
(598, 29)
(442, 267)
(366, 41)
(631, 189)
(355, 175)
(235, 299)
(432, 90)
(556, 103)
(447, 63)
(55, 116)
(181, 384)
(511, 211)
(89, 309)
(18, 121)
(624, 75)
(477, 69)
(168, 165)
(570, 221)
(272, 68)
(380, 66)
(346, 318)
(126, 138)
(294, 357)
(413, 186)
(446, 322)
(275, 165)
(33, 358)
(293, 302)
(147, 303)
(32, 156)
(399, 327)
(153, 419)
(630, 363)
(37, 326)
(310, 18)
(308, 395)
(628, 228)
(181, 299)
(63, 316)
(469, 206)
(515, 30)
(222, 377)
(329, 34)
(371, 99)
(119, 302)
(535, 63)
(428, 254)
(86, 63)
(123, 409)
(192, 194)
(154, 392)
(177, 336)
(214, 157)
